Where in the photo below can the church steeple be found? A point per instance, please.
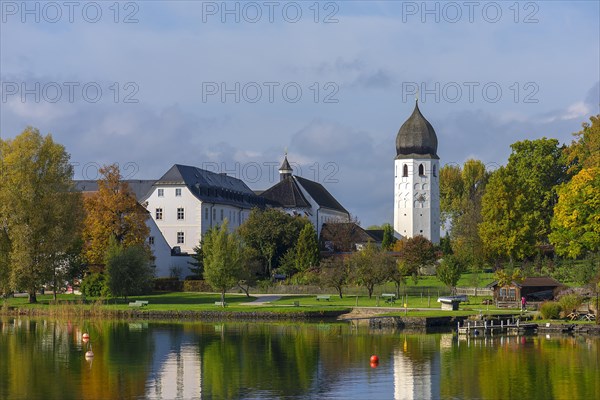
(285, 170)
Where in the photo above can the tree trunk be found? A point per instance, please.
(245, 289)
(370, 290)
(339, 289)
(32, 297)
(223, 298)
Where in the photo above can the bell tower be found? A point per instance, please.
(416, 180)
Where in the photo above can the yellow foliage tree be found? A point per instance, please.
(113, 211)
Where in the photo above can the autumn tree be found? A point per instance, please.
(113, 211)
(39, 209)
(223, 258)
(584, 151)
(576, 222)
(271, 233)
(517, 206)
(415, 253)
(461, 190)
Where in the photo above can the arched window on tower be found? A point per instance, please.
(405, 170)
(434, 171)
(421, 170)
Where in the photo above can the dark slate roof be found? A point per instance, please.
(376, 234)
(211, 187)
(416, 138)
(139, 187)
(350, 230)
(534, 281)
(287, 194)
(320, 194)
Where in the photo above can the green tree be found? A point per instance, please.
(271, 233)
(451, 189)
(4, 261)
(584, 152)
(518, 204)
(38, 208)
(197, 266)
(128, 270)
(307, 248)
(371, 267)
(223, 258)
(449, 271)
(388, 237)
(113, 212)
(334, 273)
(576, 222)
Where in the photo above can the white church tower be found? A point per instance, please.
(416, 180)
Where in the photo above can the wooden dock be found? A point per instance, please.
(476, 328)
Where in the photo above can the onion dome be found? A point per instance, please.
(416, 138)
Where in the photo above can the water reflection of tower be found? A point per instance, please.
(176, 368)
(417, 375)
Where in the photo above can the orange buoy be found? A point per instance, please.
(374, 359)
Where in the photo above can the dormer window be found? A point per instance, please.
(178, 192)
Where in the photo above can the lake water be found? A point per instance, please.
(45, 359)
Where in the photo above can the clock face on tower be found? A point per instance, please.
(421, 198)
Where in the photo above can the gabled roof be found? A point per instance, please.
(319, 194)
(376, 234)
(534, 281)
(286, 193)
(139, 187)
(211, 187)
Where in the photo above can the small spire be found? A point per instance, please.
(285, 170)
(417, 96)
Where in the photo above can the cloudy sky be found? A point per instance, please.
(229, 86)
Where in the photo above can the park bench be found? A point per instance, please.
(323, 297)
(220, 303)
(138, 303)
(389, 297)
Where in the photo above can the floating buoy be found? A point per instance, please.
(374, 365)
(89, 354)
(85, 337)
(374, 359)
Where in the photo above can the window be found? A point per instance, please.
(151, 240)
(434, 171)
(159, 213)
(405, 170)
(180, 213)
(178, 192)
(161, 192)
(221, 214)
(421, 170)
(214, 213)
(206, 213)
(180, 238)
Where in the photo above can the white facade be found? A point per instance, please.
(164, 261)
(183, 218)
(417, 198)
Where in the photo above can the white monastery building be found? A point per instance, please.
(416, 180)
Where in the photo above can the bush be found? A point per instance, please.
(196, 286)
(550, 310)
(94, 285)
(168, 284)
(570, 302)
